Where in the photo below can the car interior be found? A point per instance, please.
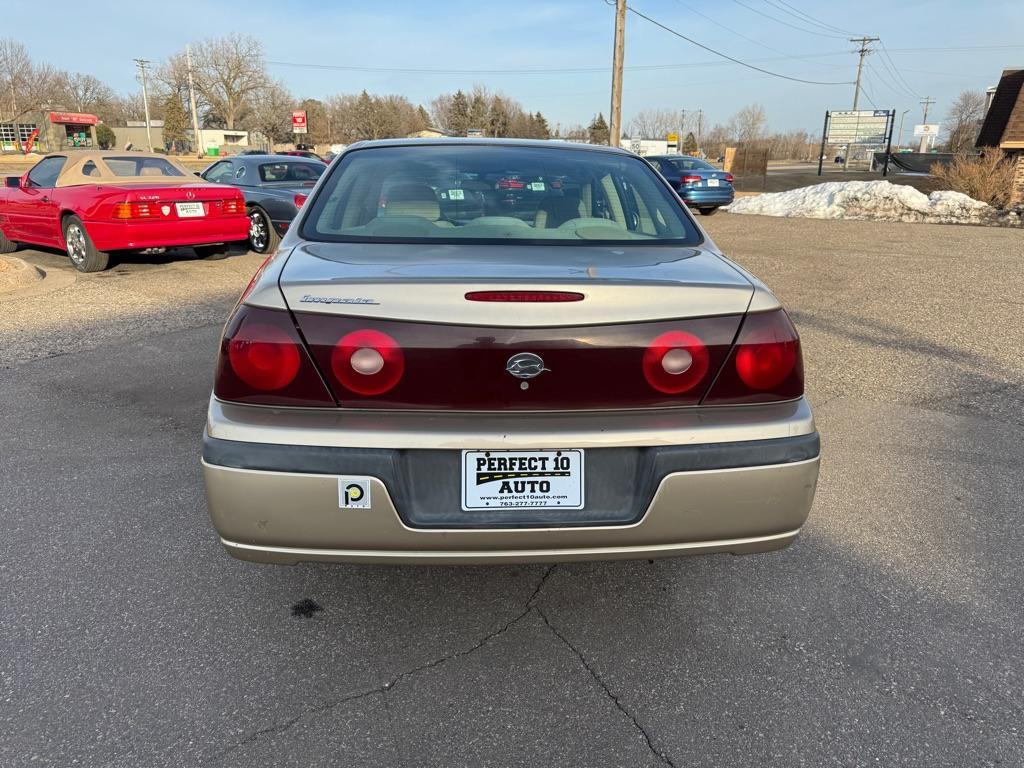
(578, 202)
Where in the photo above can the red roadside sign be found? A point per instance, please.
(299, 121)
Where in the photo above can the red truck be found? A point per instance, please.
(92, 204)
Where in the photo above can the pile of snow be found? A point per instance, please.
(877, 200)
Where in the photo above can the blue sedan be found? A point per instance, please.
(699, 184)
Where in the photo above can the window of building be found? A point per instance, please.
(77, 135)
(8, 137)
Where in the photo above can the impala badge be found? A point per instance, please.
(525, 365)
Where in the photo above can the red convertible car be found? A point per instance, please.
(94, 203)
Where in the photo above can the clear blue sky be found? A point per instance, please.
(104, 37)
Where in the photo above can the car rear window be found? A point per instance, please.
(488, 193)
(291, 171)
(688, 164)
(141, 166)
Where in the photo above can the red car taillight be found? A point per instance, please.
(764, 365)
(263, 361)
(136, 211)
(729, 177)
(367, 362)
(689, 179)
(675, 362)
(233, 206)
(299, 199)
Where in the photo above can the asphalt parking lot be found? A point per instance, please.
(891, 633)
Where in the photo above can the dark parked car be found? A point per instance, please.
(300, 153)
(699, 184)
(274, 186)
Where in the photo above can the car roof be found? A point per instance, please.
(487, 142)
(71, 174)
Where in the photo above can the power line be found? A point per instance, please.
(901, 88)
(786, 23)
(895, 69)
(886, 82)
(538, 71)
(808, 17)
(690, 40)
(744, 37)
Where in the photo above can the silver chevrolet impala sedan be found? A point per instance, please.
(486, 351)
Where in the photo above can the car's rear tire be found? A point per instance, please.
(708, 210)
(80, 248)
(211, 252)
(7, 246)
(263, 238)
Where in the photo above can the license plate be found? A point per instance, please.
(712, 182)
(523, 479)
(189, 210)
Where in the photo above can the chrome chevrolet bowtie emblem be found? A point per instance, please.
(525, 365)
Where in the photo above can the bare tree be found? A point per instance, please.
(230, 72)
(655, 123)
(86, 93)
(24, 85)
(747, 125)
(271, 114)
(963, 121)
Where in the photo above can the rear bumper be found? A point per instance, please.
(707, 196)
(174, 233)
(278, 502)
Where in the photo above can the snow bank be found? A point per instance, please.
(879, 200)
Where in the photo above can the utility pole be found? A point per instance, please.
(926, 102)
(864, 50)
(700, 129)
(196, 135)
(142, 64)
(615, 122)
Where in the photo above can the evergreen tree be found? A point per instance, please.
(422, 121)
(498, 118)
(458, 117)
(175, 123)
(598, 130)
(690, 144)
(540, 127)
(105, 136)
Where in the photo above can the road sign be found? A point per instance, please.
(865, 126)
(673, 138)
(857, 128)
(299, 121)
(928, 129)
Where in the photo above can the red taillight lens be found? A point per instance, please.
(729, 177)
(690, 179)
(264, 357)
(367, 362)
(765, 363)
(263, 361)
(524, 296)
(135, 211)
(675, 362)
(233, 206)
(299, 199)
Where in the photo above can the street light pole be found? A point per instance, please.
(899, 142)
(142, 64)
(196, 134)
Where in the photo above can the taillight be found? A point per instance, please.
(367, 362)
(524, 296)
(263, 361)
(729, 177)
(675, 362)
(689, 179)
(135, 211)
(299, 199)
(765, 363)
(233, 206)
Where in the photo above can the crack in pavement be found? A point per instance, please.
(665, 759)
(384, 689)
